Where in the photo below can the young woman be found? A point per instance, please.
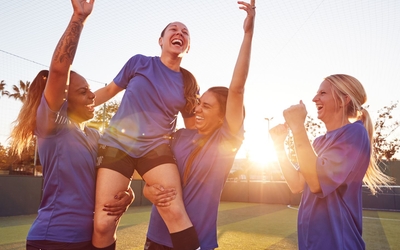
(330, 172)
(205, 155)
(156, 90)
(57, 106)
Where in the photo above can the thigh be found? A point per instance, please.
(156, 157)
(115, 159)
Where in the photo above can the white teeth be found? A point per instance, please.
(199, 117)
(177, 41)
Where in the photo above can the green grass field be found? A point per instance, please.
(240, 226)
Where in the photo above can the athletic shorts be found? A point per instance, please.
(118, 160)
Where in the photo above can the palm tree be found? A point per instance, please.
(2, 88)
(20, 92)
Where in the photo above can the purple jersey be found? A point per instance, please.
(68, 157)
(202, 193)
(332, 219)
(154, 95)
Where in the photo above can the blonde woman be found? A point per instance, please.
(331, 171)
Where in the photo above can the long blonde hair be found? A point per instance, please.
(344, 85)
(25, 124)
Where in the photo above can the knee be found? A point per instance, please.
(104, 225)
(172, 212)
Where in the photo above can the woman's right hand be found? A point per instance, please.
(158, 195)
(279, 134)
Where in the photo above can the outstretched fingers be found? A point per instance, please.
(250, 8)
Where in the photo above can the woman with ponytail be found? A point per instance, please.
(205, 155)
(157, 89)
(58, 104)
(331, 171)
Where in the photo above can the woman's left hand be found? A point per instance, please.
(123, 200)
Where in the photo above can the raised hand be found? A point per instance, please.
(295, 116)
(82, 7)
(250, 8)
(278, 134)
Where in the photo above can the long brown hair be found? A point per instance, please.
(25, 124)
(191, 90)
(221, 93)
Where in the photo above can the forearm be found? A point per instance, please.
(106, 93)
(234, 107)
(293, 178)
(307, 159)
(65, 50)
(242, 65)
(63, 56)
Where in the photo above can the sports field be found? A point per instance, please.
(240, 226)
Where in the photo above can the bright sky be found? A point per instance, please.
(296, 44)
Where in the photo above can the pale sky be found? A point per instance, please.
(296, 44)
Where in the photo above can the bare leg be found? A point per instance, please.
(183, 234)
(174, 216)
(109, 183)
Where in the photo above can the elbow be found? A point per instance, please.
(315, 189)
(296, 190)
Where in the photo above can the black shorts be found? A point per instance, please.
(151, 245)
(118, 160)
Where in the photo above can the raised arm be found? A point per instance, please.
(56, 90)
(295, 117)
(293, 178)
(234, 105)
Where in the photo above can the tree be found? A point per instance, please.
(103, 115)
(2, 88)
(385, 144)
(20, 92)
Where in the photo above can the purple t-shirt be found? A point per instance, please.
(332, 219)
(202, 193)
(154, 95)
(68, 157)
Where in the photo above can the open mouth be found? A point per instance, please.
(90, 107)
(177, 42)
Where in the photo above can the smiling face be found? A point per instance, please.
(80, 99)
(208, 114)
(175, 39)
(329, 107)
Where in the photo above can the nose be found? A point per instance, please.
(315, 98)
(92, 95)
(197, 109)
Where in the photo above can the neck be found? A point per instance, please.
(335, 124)
(173, 63)
(81, 125)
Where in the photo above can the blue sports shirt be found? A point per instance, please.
(68, 157)
(332, 219)
(154, 95)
